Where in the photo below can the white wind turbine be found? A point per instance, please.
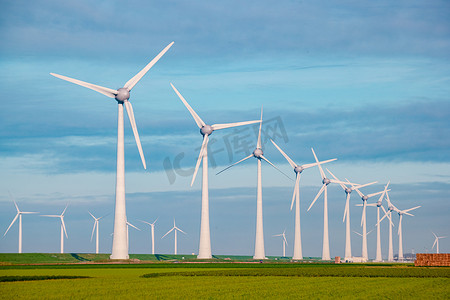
(388, 214)
(204, 251)
(378, 205)
(152, 225)
(19, 215)
(258, 154)
(284, 241)
(128, 241)
(346, 219)
(326, 181)
(364, 198)
(122, 95)
(175, 229)
(400, 237)
(298, 169)
(63, 226)
(96, 221)
(436, 242)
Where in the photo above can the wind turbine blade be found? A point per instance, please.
(297, 181)
(15, 218)
(133, 81)
(168, 232)
(278, 234)
(200, 156)
(374, 194)
(129, 224)
(355, 188)
(407, 210)
(28, 212)
(51, 216)
(180, 230)
(317, 196)
(64, 226)
(363, 185)
(358, 233)
(130, 112)
(103, 90)
(306, 166)
(92, 215)
(264, 158)
(235, 163)
(93, 229)
(229, 125)
(322, 173)
(258, 144)
(155, 221)
(64, 211)
(338, 181)
(145, 222)
(290, 161)
(434, 234)
(197, 119)
(17, 207)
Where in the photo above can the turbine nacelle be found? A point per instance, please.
(298, 169)
(326, 181)
(122, 95)
(391, 207)
(364, 198)
(258, 153)
(206, 129)
(379, 204)
(348, 190)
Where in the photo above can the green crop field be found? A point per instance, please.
(219, 280)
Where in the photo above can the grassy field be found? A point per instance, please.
(223, 280)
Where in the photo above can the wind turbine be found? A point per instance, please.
(204, 251)
(400, 238)
(258, 154)
(388, 214)
(93, 229)
(436, 242)
(152, 225)
(63, 226)
(19, 215)
(326, 181)
(174, 228)
(364, 198)
(378, 205)
(346, 219)
(284, 241)
(298, 169)
(122, 95)
(128, 225)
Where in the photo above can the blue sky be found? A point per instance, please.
(367, 83)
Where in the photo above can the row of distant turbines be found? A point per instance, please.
(120, 240)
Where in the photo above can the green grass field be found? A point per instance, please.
(219, 280)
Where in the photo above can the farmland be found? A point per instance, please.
(220, 280)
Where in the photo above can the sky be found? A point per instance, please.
(365, 82)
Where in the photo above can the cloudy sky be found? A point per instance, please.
(367, 83)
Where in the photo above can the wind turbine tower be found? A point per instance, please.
(206, 130)
(122, 96)
(96, 221)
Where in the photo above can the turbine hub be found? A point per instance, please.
(298, 169)
(391, 208)
(364, 198)
(122, 95)
(379, 203)
(348, 191)
(326, 181)
(258, 153)
(207, 129)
